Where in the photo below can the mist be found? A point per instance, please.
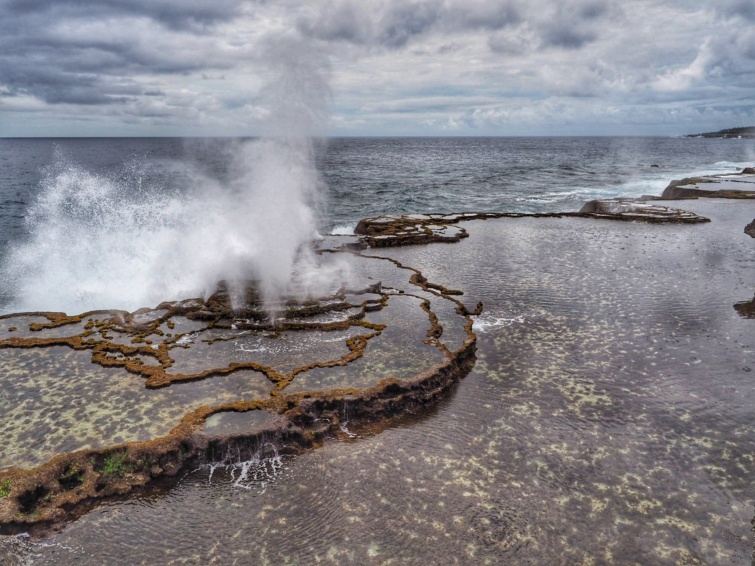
(104, 242)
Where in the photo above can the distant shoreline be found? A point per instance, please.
(747, 132)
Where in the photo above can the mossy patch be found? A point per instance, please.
(116, 465)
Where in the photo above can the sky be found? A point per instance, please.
(391, 67)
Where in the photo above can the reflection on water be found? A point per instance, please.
(609, 419)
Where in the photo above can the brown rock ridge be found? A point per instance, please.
(45, 497)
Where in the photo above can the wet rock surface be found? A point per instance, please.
(416, 229)
(734, 186)
(14, 550)
(607, 420)
(624, 209)
(750, 229)
(207, 383)
(746, 309)
(99, 404)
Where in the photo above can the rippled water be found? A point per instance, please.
(372, 176)
(608, 419)
(408, 175)
(609, 416)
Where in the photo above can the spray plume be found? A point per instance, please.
(98, 242)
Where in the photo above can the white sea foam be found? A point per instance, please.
(98, 242)
(254, 474)
(344, 230)
(488, 322)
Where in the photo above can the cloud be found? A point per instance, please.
(723, 60)
(393, 24)
(93, 53)
(737, 8)
(561, 25)
(176, 14)
(397, 66)
(372, 22)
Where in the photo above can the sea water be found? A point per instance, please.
(371, 176)
(98, 219)
(608, 418)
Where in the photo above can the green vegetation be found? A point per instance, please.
(5, 487)
(116, 464)
(146, 462)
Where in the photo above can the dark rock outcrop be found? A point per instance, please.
(744, 132)
(746, 309)
(750, 229)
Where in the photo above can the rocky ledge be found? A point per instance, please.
(735, 186)
(364, 354)
(410, 229)
(303, 403)
(625, 209)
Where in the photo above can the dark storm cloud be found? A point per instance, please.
(570, 26)
(741, 8)
(561, 25)
(393, 23)
(177, 14)
(55, 86)
(568, 37)
(87, 52)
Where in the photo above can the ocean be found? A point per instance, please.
(371, 176)
(99, 216)
(607, 418)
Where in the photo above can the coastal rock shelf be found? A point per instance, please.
(392, 230)
(734, 186)
(411, 229)
(623, 209)
(105, 402)
(100, 403)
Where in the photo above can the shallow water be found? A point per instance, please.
(55, 400)
(608, 419)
